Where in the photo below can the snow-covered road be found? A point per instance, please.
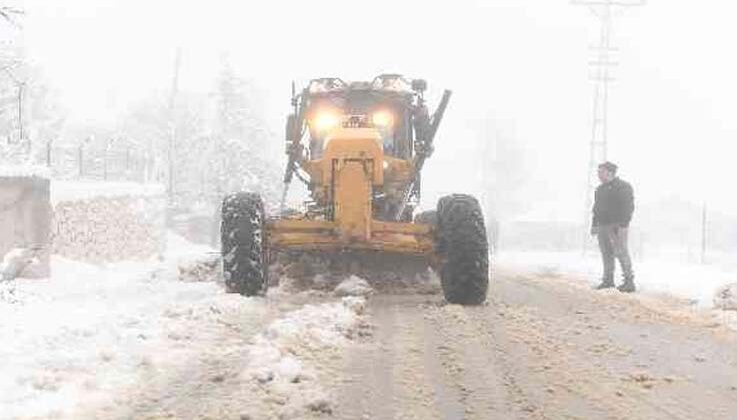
(544, 348)
(148, 340)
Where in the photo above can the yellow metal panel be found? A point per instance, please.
(353, 199)
(395, 227)
(354, 144)
(398, 170)
(288, 225)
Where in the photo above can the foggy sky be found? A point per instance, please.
(522, 64)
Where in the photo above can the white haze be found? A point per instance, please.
(520, 64)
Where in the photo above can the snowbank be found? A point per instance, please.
(194, 262)
(353, 286)
(62, 191)
(15, 262)
(103, 341)
(695, 282)
(82, 338)
(24, 171)
(279, 358)
(274, 353)
(726, 297)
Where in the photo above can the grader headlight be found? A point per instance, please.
(325, 120)
(382, 119)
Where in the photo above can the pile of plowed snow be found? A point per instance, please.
(274, 354)
(93, 341)
(353, 286)
(281, 358)
(78, 339)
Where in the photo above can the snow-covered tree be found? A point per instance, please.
(30, 114)
(504, 172)
(169, 133)
(236, 113)
(240, 135)
(212, 144)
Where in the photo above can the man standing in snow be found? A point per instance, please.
(613, 207)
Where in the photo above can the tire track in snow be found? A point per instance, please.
(582, 379)
(367, 389)
(478, 366)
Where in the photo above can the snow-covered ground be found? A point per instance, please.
(88, 330)
(95, 341)
(8, 170)
(85, 190)
(695, 282)
(73, 344)
(280, 358)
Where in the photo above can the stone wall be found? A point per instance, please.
(125, 222)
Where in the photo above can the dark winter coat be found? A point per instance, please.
(614, 204)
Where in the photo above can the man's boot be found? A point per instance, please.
(606, 283)
(628, 286)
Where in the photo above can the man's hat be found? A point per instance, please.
(609, 166)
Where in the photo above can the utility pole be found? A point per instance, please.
(703, 233)
(173, 123)
(20, 110)
(20, 85)
(602, 65)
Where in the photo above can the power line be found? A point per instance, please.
(602, 76)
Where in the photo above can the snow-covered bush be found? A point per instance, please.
(726, 297)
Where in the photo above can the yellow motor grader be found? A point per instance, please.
(359, 147)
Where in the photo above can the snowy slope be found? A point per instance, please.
(695, 282)
(111, 341)
(90, 330)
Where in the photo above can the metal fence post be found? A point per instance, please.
(80, 160)
(127, 159)
(48, 154)
(104, 164)
(703, 233)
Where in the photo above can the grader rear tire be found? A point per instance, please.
(245, 266)
(463, 249)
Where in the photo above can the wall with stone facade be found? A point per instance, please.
(103, 222)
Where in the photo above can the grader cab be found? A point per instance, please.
(359, 148)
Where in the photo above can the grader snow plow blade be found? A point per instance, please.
(395, 258)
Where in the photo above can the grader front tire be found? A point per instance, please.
(463, 249)
(245, 266)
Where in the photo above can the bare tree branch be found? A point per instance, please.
(10, 13)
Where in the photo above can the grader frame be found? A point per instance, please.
(359, 148)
